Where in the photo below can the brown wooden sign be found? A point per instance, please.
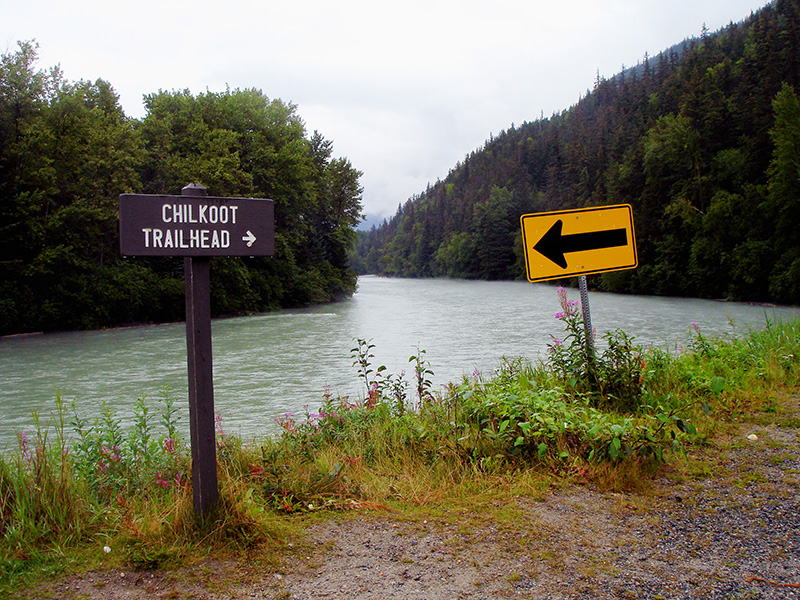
(153, 225)
(197, 227)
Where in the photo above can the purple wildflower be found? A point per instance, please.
(23, 444)
(218, 423)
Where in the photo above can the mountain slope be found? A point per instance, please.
(701, 140)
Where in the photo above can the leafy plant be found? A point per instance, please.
(110, 463)
(362, 357)
(394, 387)
(524, 418)
(422, 372)
(612, 379)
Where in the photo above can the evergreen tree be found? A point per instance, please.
(67, 152)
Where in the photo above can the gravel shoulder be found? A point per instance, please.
(729, 534)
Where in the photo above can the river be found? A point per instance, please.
(270, 364)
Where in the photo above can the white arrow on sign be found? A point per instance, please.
(249, 238)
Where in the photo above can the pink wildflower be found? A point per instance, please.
(373, 396)
(218, 423)
(23, 444)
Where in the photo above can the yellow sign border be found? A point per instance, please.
(579, 221)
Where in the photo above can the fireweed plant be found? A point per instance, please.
(113, 462)
(98, 491)
(612, 379)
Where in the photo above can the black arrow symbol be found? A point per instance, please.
(554, 245)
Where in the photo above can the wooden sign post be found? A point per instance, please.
(197, 227)
(197, 283)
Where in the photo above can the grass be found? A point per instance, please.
(81, 493)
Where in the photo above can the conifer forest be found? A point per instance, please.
(702, 140)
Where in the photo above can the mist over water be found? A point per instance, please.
(271, 364)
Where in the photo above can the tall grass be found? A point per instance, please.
(87, 486)
(83, 486)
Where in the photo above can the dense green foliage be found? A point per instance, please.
(66, 153)
(703, 141)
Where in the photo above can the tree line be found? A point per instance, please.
(702, 140)
(67, 151)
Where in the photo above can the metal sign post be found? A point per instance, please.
(587, 317)
(197, 227)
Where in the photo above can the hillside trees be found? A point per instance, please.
(783, 198)
(66, 153)
(700, 140)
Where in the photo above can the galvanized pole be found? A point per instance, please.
(201, 380)
(587, 316)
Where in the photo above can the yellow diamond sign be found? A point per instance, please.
(578, 242)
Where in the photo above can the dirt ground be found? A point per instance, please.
(733, 534)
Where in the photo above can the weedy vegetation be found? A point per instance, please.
(82, 492)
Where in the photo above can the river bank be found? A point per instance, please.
(637, 468)
(722, 523)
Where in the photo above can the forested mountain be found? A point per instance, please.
(702, 140)
(66, 153)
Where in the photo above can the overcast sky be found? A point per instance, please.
(403, 89)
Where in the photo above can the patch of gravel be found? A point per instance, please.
(734, 534)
